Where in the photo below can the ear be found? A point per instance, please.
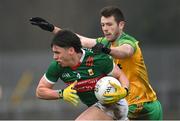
(71, 50)
(121, 25)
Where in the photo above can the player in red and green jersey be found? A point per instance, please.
(142, 99)
(80, 69)
(90, 69)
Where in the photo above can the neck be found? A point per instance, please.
(76, 60)
(114, 41)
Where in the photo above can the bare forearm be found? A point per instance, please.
(122, 52)
(119, 74)
(85, 41)
(124, 80)
(47, 94)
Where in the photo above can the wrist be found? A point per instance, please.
(56, 30)
(106, 50)
(51, 27)
(60, 93)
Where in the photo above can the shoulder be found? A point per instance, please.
(98, 58)
(54, 68)
(103, 59)
(127, 39)
(104, 63)
(54, 65)
(102, 40)
(52, 74)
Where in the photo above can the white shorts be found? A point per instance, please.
(117, 111)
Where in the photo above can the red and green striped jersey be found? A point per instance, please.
(91, 68)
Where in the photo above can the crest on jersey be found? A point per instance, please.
(90, 61)
(90, 71)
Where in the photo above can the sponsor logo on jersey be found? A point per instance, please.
(65, 75)
(86, 85)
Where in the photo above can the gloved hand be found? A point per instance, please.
(42, 23)
(120, 92)
(99, 47)
(69, 94)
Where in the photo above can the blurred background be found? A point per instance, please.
(25, 50)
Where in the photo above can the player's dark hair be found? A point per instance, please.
(67, 39)
(113, 11)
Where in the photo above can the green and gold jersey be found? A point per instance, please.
(92, 67)
(135, 70)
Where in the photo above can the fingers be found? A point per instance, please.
(70, 94)
(74, 96)
(73, 85)
(38, 22)
(34, 23)
(109, 100)
(74, 102)
(73, 99)
(113, 94)
(36, 19)
(42, 23)
(114, 84)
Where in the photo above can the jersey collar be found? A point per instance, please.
(80, 61)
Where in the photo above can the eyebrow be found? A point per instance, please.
(55, 51)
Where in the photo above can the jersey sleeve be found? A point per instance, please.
(104, 41)
(52, 73)
(130, 42)
(105, 64)
(99, 39)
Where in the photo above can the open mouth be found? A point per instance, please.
(107, 35)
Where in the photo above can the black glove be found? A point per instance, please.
(99, 47)
(43, 24)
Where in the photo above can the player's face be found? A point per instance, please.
(61, 55)
(111, 28)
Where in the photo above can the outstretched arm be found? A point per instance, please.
(120, 52)
(85, 41)
(45, 25)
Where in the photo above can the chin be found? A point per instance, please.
(63, 65)
(109, 39)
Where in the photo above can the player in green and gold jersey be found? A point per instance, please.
(80, 69)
